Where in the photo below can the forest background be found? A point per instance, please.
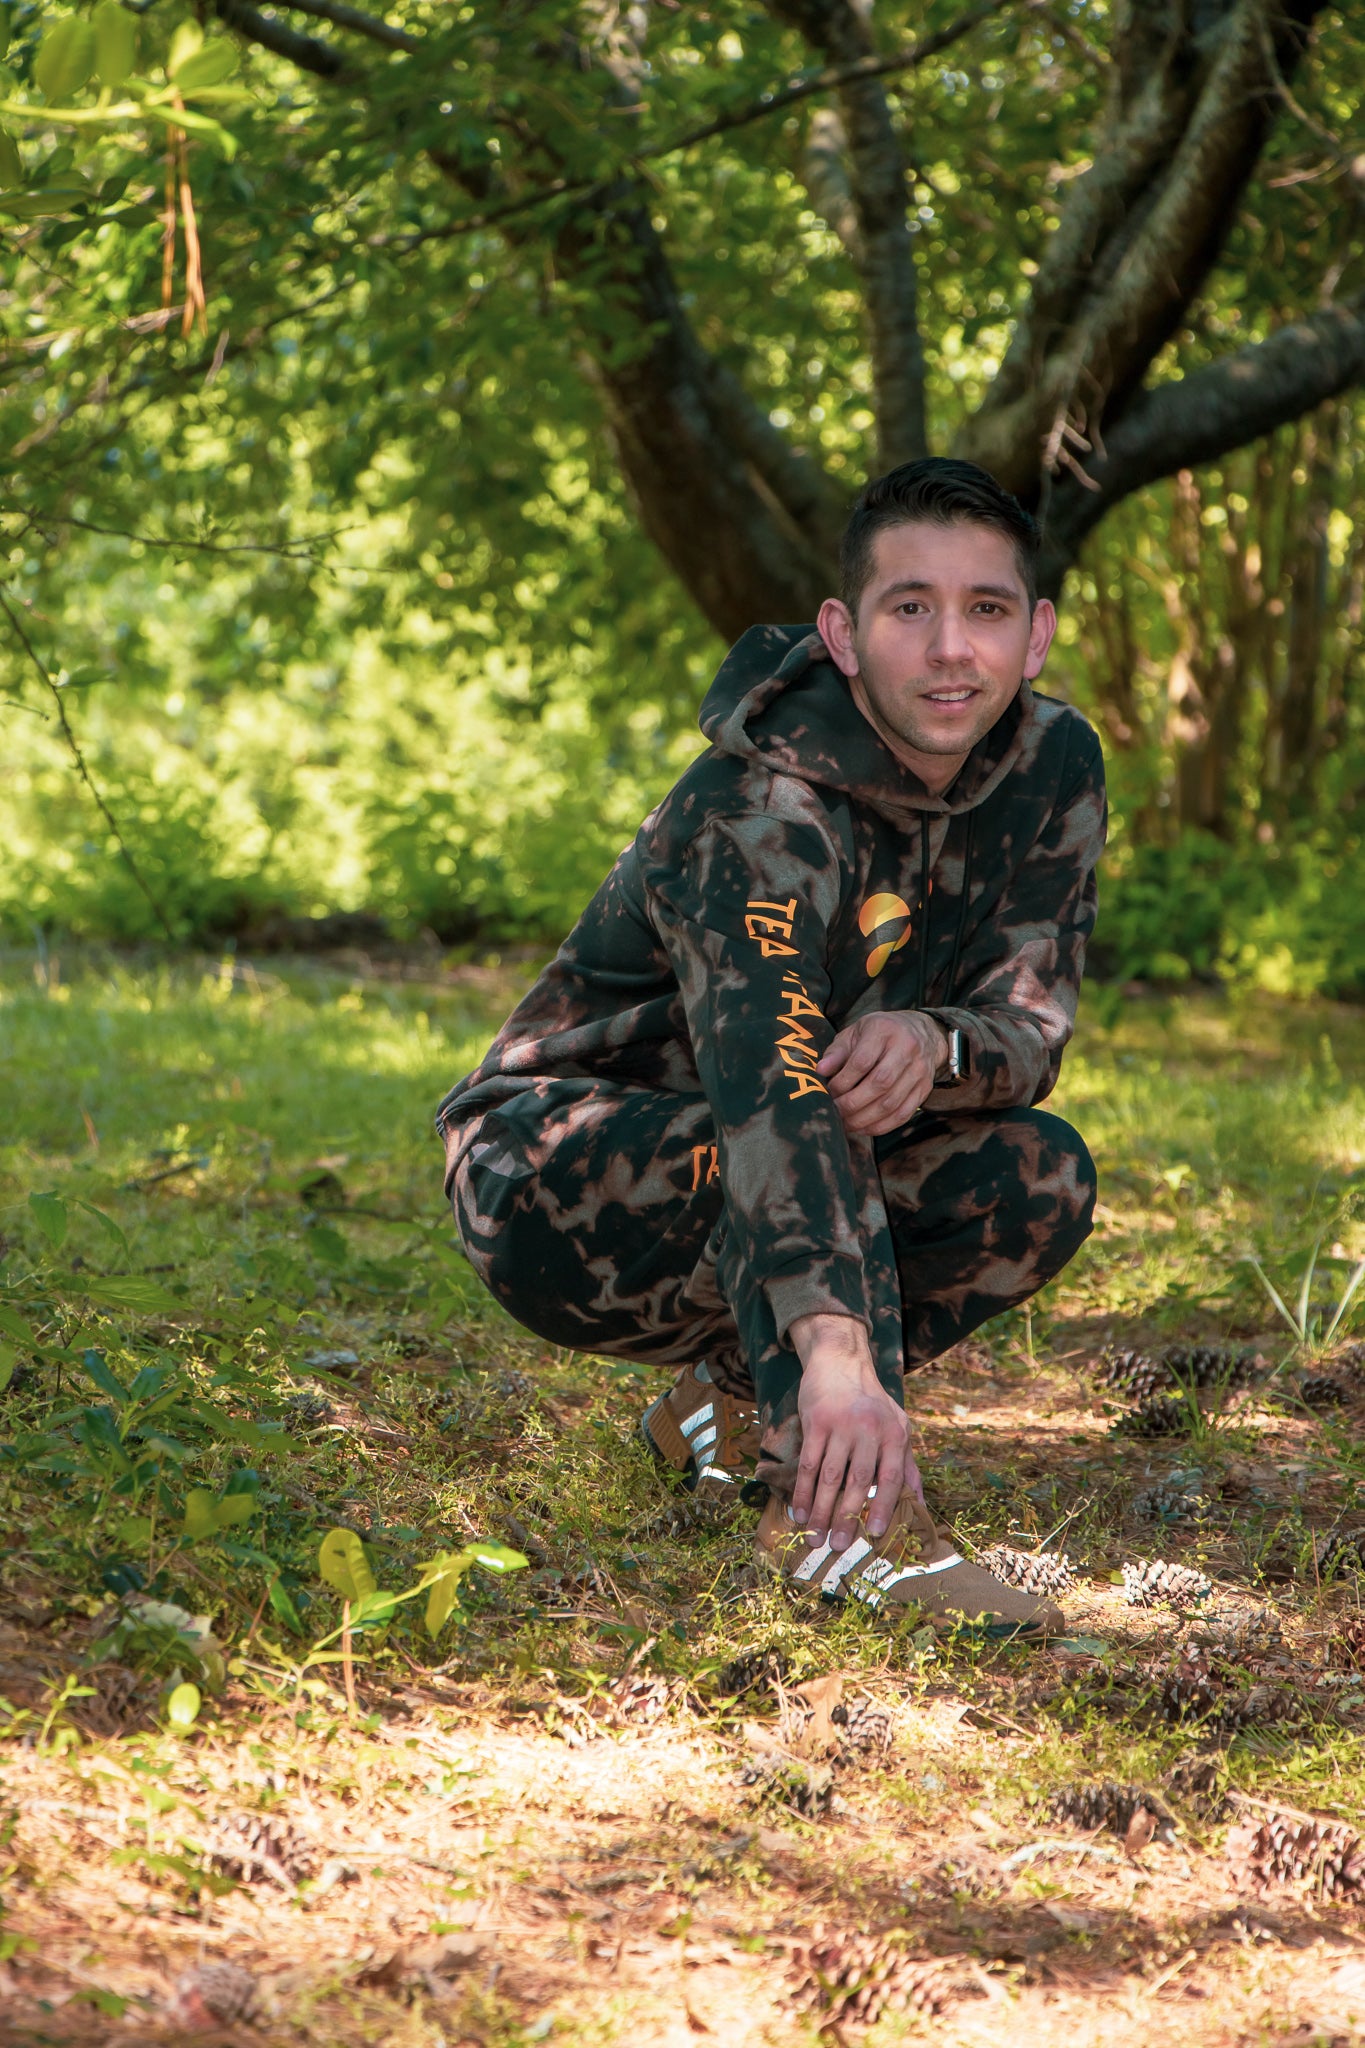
(403, 409)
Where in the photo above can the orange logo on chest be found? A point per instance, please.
(885, 920)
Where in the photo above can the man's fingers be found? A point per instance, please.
(831, 1484)
(862, 1466)
(856, 1088)
(891, 1466)
(888, 1114)
(860, 1051)
(835, 1055)
(807, 1473)
(911, 1478)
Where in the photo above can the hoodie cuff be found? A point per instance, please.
(833, 1287)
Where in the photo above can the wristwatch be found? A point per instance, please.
(957, 1066)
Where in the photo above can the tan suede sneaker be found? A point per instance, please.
(704, 1433)
(912, 1563)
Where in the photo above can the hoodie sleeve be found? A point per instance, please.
(1020, 977)
(743, 913)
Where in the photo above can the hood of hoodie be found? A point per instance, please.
(779, 699)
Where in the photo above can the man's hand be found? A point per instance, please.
(854, 1435)
(880, 1069)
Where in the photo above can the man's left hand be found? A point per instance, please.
(880, 1069)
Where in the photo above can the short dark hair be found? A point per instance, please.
(941, 490)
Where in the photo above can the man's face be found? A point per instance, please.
(942, 637)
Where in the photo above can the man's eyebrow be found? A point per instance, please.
(1004, 590)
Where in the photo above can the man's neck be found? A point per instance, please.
(937, 772)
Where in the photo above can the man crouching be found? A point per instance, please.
(770, 1113)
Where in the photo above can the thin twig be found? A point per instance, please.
(290, 551)
(828, 80)
(81, 765)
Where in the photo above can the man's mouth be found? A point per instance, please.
(961, 694)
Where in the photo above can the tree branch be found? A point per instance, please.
(361, 24)
(1204, 416)
(324, 60)
(883, 252)
(1141, 230)
(82, 767)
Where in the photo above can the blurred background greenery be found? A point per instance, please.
(382, 391)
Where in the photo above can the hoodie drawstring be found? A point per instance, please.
(961, 931)
(923, 911)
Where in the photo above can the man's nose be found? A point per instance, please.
(950, 640)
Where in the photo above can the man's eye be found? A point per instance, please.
(911, 605)
(987, 606)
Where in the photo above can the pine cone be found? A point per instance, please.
(776, 1780)
(221, 1994)
(866, 1726)
(1209, 1365)
(1260, 1706)
(1338, 1554)
(757, 1670)
(1110, 1806)
(306, 1411)
(642, 1699)
(1134, 1373)
(252, 1845)
(1286, 1849)
(1320, 1390)
(1148, 1582)
(1161, 1416)
(1199, 1778)
(1256, 1634)
(1035, 1571)
(1167, 1503)
(1188, 1693)
(859, 1977)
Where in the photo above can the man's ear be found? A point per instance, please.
(1041, 629)
(836, 630)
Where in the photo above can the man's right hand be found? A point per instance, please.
(853, 1434)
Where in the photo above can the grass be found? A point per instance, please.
(233, 1320)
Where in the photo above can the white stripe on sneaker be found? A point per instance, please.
(716, 1472)
(854, 1555)
(922, 1571)
(704, 1441)
(695, 1421)
(809, 1566)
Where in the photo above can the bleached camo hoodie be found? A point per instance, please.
(795, 878)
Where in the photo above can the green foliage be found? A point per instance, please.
(1280, 917)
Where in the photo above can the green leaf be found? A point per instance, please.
(344, 1566)
(16, 1327)
(106, 1222)
(94, 1367)
(135, 1531)
(205, 1516)
(9, 1358)
(39, 204)
(498, 1557)
(49, 1211)
(282, 1605)
(372, 1610)
(65, 59)
(186, 43)
(329, 1244)
(209, 66)
(182, 1708)
(443, 1575)
(127, 1291)
(11, 163)
(115, 42)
